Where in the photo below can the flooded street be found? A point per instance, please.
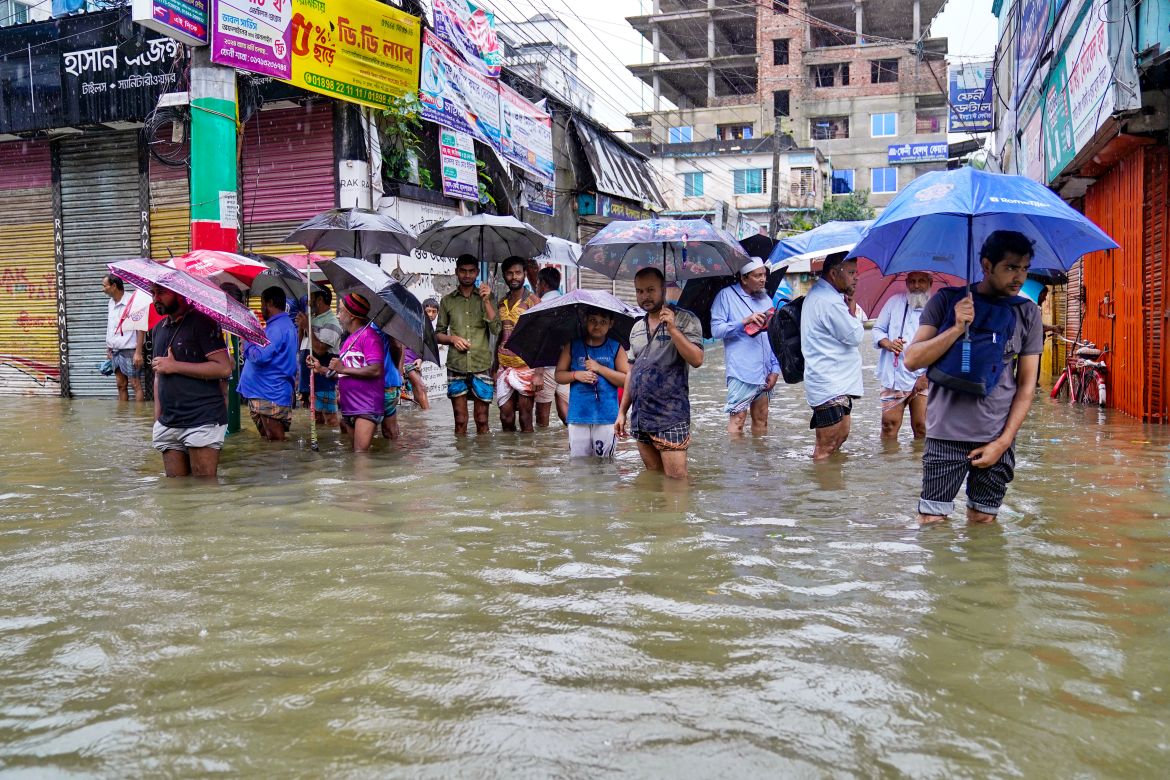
(482, 608)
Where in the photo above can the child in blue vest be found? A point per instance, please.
(594, 367)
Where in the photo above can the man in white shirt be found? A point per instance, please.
(123, 339)
(829, 340)
(548, 287)
(892, 333)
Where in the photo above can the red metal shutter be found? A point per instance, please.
(288, 173)
(1155, 305)
(29, 358)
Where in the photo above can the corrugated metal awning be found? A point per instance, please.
(617, 170)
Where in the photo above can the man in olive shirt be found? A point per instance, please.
(467, 321)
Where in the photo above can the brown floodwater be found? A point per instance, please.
(485, 607)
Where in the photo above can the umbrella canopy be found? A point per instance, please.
(486, 236)
(874, 288)
(681, 248)
(560, 251)
(758, 246)
(940, 221)
(392, 307)
(698, 295)
(545, 329)
(307, 264)
(804, 247)
(222, 269)
(231, 315)
(354, 232)
(280, 274)
(140, 314)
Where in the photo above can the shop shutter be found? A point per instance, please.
(29, 358)
(287, 175)
(170, 210)
(1154, 269)
(100, 221)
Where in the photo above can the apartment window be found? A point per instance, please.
(824, 75)
(681, 135)
(930, 123)
(883, 71)
(751, 181)
(733, 132)
(884, 180)
(842, 182)
(780, 51)
(828, 128)
(12, 12)
(692, 185)
(883, 125)
(779, 6)
(805, 184)
(780, 103)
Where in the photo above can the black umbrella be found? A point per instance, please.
(393, 308)
(545, 329)
(354, 233)
(698, 296)
(758, 246)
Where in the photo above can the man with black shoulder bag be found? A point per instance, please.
(981, 347)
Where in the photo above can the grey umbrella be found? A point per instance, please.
(486, 236)
(393, 308)
(354, 233)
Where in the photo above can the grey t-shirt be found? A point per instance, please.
(964, 417)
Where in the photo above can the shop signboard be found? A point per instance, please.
(526, 135)
(970, 88)
(1080, 96)
(470, 31)
(457, 161)
(253, 35)
(901, 154)
(1034, 20)
(183, 20)
(537, 196)
(359, 51)
(455, 96)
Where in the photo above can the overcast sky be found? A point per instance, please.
(605, 43)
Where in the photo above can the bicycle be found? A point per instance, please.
(1083, 378)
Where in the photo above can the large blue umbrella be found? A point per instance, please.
(823, 240)
(680, 248)
(940, 221)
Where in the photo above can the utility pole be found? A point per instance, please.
(774, 211)
(214, 210)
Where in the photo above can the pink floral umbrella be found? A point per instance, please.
(874, 289)
(231, 315)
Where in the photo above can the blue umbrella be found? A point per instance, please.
(940, 221)
(824, 240)
(680, 248)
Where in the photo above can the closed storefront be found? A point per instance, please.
(29, 359)
(170, 210)
(288, 174)
(101, 222)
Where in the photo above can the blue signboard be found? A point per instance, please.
(917, 153)
(971, 98)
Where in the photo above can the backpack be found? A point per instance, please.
(784, 338)
(990, 331)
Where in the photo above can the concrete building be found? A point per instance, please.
(538, 51)
(857, 81)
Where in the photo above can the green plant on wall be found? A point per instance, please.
(484, 179)
(400, 125)
(849, 208)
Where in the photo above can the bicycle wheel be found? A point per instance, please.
(1060, 390)
(1093, 388)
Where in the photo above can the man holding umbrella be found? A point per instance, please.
(517, 385)
(189, 402)
(359, 371)
(739, 316)
(467, 321)
(901, 387)
(270, 372)
(971, 437)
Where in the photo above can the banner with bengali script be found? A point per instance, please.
(455, 96)
(470, 31)
(355, 50)
(457, 163)
(252, 35)
(526, 135)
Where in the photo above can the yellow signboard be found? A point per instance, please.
(355, 50)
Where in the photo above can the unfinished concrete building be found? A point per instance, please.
(858, 80)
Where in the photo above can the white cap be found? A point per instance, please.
(751, 265)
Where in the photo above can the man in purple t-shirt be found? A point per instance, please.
(361, 396)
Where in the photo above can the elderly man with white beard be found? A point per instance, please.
(739, 316)
(892, 333)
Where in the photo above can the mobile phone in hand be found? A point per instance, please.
(752, 329)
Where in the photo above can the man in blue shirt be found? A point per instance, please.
(739, 316)
(269, 374)
(829, 339)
